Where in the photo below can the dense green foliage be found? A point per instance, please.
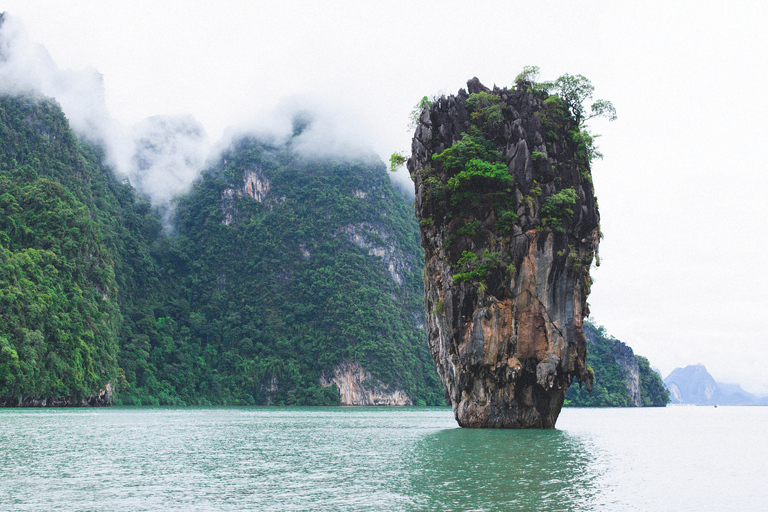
(604, 357)
(558, 209)
(566, 99)
(282, 294)
(477, 178)
(59, 315)
(653, 391)
(57, 293)
(245, 302)
(575, 90)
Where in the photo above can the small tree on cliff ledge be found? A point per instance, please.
(574, 90)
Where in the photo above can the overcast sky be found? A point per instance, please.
(683, 185)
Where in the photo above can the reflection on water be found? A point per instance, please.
(211, 459)
(374, 459)
(469, 469)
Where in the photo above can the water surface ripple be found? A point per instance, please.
(355, 459)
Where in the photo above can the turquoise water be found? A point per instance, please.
(211, 459)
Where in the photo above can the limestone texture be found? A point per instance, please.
(509, 225)
(358, 387)
(625, 358)
(101, 399)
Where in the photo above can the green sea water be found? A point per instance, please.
(389, 459)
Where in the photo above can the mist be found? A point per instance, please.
(318, 128)
(161, 156)
(27, 68)
(168, 154)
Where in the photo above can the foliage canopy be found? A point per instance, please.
(610, 385)
(249, 310)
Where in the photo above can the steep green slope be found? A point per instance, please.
(256, 297)
(622, 379)
(63, 258)
(283, 268)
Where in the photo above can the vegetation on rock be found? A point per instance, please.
(614, 378)
(250, 301)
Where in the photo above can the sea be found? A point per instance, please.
(380, 459)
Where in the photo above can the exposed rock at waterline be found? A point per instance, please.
(102, 399)
(358, 387)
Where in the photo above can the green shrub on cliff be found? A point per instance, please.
(415, 115)
(557, 209)
(475, 175)
(477, 268)
(485, 109)
(470, 182)
(471, 146)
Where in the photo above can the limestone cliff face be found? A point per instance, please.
(255, 185)
(358, 387)
(380, 243)
(509, 226)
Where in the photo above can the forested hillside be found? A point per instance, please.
(279, 270)
(282, 277)
(622, 379)
(72, 240)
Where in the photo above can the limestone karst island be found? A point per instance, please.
(510, 226)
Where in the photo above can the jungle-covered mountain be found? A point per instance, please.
(622, 379)
(282, 279)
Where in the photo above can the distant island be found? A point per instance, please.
(693, 385)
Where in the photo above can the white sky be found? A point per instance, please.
(682, 188)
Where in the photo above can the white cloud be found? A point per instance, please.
(161, 155)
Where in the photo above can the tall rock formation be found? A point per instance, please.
(509, 226)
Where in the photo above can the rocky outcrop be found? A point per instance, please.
(255, 185)
(625, 358)
(380, 244)
(102, 399)
(358, 387)
(692, 385)
(509, 226)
